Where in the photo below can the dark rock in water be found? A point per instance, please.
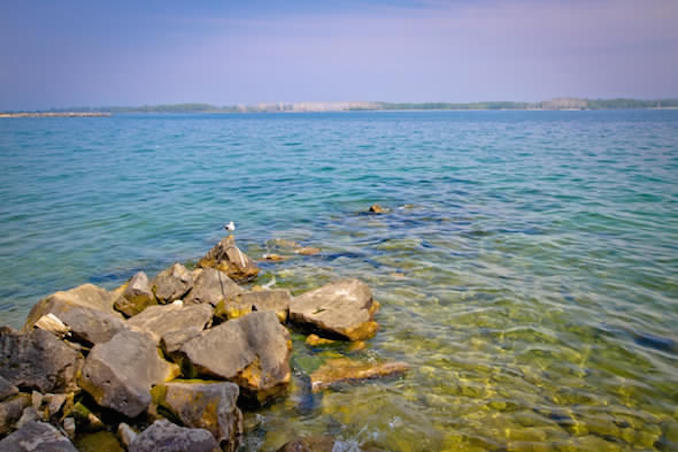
(277, 301)
(228, 258)
(163, 436)
(137, 296)
(344, 370)
(87, 310)
(11, 411)
(119, 374)
(343, 309)
(212, 286)
(211, 406)
(38, 360)
(37, 437)
(252, 351)
(7, 389)
(172, 283)
(376, 208)
(163, 320)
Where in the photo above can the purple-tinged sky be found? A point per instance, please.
(87, 53)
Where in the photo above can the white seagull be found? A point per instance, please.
(230, 226)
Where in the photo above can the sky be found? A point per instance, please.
(57, 54)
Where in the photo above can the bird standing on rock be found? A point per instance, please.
(230, 226)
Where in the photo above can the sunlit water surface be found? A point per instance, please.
(528, 270)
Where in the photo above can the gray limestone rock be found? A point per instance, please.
(137, 296)
(119, 374)
(11, 411)
(163, 436)
(277, 300)
(211, 286)
(228, 258)
(7, 389)
(37, 437)
(176, 322)
(343, 309)
(172, 283)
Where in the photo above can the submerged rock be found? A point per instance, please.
(277, 301)
(163, 320)
(211, 406)
(252, 351)
(38, 360)
(376, 208)
(212, 286)
(163, 436)
(172, 283)
(119, 374)
(227, 257)
(307, 251)
(11, 411)
(344, 370)
(38, 437)
(343, 309)
(137, 296)
(101, 441)
(273, 257)
(314, 340)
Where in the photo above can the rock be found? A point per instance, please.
(163, 436)
(376, 208)
(119, 374)
(172, 283)
(11, 411)
(38, 437)
(343, 370)
(277, 300)
(211, 286)
(227, 257)
(7, 389)
(314, 340)
(69, 427)
(126, 434)
(252, 351)
(84, 418)
(38, 360)
(54, 403)
(283, 244)
(173, 320)
(273, 257)
(343, 309)
(137, 296)
(307, 251)
(101, 441)
(211, 406)
(29, 414)
(87, 310)
(322, 444)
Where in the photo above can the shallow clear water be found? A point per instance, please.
(527, 271)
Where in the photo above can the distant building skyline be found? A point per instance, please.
(76, 53)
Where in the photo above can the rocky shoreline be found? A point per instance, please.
(170, 363)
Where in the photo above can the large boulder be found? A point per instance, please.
(11, 410)
(7, 389)
(277, 301)
(137, 296)
(211, 406)
(163, 436)
(227, 257)
(163, 320)
(252, 351)
(119, 374)
(343, 309)
(87, 310)
(211, 286)
(38, 360)
(37, 437)
(172, 283)
(344, 370)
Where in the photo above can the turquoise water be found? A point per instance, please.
(528, 270)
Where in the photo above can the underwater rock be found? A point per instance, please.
(307, 251)
(342, 309)
(163, 436)
(211, 406)
(211, 286)
(87, 310)
(164, 320)
(277, 300)
(172, 283)
(252, 351)
(7, 389)
(273, 257)
(39, 437)
(376, 208)
(137, 296)
(344, 370)
(11, 411)
(228, 258)
(38, 360)
(323, 444)
(119, 374)
(314, 340)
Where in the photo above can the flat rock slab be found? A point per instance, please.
(87, 310)
(211, 406)
(344, 370)
(343, 309)
(119, 374)
(212, 286)
(172, 283)
(37, 437)
(227, 257)
(162, 320)
(137, 296)
(277, 301)
(163, 436)
(38, 360)
(252, 351)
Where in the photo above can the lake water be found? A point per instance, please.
(528, 270)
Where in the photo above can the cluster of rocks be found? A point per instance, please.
(166, 364)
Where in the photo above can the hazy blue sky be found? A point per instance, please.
(70, 53)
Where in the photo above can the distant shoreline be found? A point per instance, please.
(66, 114)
